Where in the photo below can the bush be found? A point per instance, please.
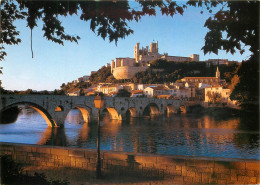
(12, 173)
(123, 93)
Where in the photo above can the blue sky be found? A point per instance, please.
(55, 64)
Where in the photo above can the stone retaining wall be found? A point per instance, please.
(181, 169)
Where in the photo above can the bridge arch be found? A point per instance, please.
(42, 111)
(151, 109)
(131, 112)
(170, 109)
(113, 114)
(85, 111)
(59, 109)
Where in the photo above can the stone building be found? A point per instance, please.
(224, 94)
(156, 90)
(145, 55)
(181, 91)
(215, 62)
(192, 58)
(109, 88)
(206, 80)
(126, 68)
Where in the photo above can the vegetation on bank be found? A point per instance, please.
(13, 173)
(172, 71)
(102, 75)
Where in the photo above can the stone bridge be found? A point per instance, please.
(54, 108)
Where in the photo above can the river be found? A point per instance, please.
(191, 135)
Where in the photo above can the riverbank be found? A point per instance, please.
(223, 112)
(79, 165)
(85, 177)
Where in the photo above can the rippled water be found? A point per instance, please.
(174, 135)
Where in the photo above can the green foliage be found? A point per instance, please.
(81, 92)
(102, 75)
(108, 19)
(72, 87)
(9, 13)
(214, 97)
(159, 64)
(58, 92)
(245, 85)
(227, 72)
(173, 71)
(240, 20)
(98, 93)
(123, 93)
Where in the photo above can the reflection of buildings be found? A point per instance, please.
(74, 117)
(111, 127)
(84, 134)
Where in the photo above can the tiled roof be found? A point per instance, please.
(214, 86)
(137, 92)
(159, 88)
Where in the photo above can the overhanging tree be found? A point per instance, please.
(109, 19)
(235, 28)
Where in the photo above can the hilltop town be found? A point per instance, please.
(154, 75)
(126, 77)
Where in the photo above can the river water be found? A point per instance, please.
(174, 135)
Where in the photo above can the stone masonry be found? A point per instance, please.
(47, 106)
(178, 169)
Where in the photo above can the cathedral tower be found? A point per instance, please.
(217, 73)
(136, 52)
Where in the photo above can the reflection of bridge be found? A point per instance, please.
(54, 109)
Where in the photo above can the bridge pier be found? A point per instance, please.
(59, 119)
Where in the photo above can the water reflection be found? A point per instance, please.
(74, 117)
(53, 136)
(175, 134)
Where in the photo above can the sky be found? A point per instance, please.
(54, 64)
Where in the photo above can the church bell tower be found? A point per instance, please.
(217, 73)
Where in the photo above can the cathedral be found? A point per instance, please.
(206, 80)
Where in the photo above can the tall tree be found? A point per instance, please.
(234, 28)
(109, 19)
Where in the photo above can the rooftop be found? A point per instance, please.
(199, 77)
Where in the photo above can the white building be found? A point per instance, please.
(108, 89)
(156, 90)
(224, 94)
(186, 91)
(202, 85)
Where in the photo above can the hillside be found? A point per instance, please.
(160, 71)
(173, 71)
